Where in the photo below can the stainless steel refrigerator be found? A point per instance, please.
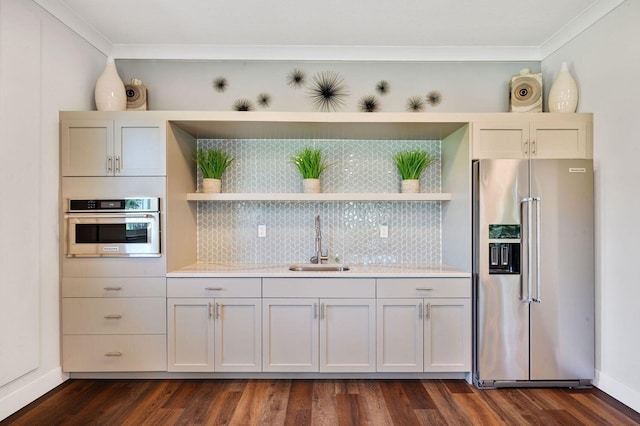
(533, 273)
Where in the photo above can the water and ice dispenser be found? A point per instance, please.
(504, 249)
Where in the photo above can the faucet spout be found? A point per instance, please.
(319, 258)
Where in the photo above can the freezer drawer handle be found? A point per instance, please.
(213, 288)
(424, 288)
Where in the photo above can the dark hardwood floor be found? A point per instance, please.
(316, 402)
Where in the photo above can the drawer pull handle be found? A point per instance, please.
(113, 354)
(113, 288)
(113, 316)
(213, 288)
(424, 288)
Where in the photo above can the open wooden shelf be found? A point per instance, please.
(347, 196)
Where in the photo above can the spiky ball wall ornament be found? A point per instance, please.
(243, 105)
(327, 91)
(296, 78)
(415, 104)
(220, 84)
(264, 100)
(382, 87)
(369, 103)
(434, 98)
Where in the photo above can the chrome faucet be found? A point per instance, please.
(319, 257)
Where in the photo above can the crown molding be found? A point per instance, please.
(70, 19)
(326, 53)
(580, 23)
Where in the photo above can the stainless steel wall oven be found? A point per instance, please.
(125, 227)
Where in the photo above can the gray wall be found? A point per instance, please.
(187, 85)
(605, 61)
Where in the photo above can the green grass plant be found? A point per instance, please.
(310, 163)
(411, 164)
(213, 162)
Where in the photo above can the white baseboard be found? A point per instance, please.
(31, 391)
(621, 392)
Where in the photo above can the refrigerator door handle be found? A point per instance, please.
(526, 210)
(537, 298)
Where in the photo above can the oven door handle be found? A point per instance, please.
(111, 216)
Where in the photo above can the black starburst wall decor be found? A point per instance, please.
(434, 98)
(296, 78)
(415, 104)
(220, 84)
(327, 91)
(382, 87)
(264, 100)
(243, 105)
(369, 103)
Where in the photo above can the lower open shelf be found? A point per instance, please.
(199, 196)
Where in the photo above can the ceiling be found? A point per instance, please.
(329, 29)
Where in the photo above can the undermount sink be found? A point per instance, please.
(325, 267)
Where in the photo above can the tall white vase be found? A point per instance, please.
(110, 94)
(563, 96)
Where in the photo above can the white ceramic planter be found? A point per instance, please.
(311, 186)
(211, 186)
(110, 94)
(410, 186)
(563, 95)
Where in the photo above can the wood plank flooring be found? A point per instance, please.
(316, 402)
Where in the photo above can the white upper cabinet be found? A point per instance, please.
(543, 136)
(113, 148)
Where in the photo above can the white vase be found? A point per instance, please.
(563, 96)
(110, 94)
(410, 186)
(211, 186)
(311, 186)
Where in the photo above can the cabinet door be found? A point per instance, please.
(559, 139)
(347, 335)
(86, 147)
(140, 149)
(238, 335)
(190, 334)
(290, 334)
(399, 335)
(500, 140)
(447, 335)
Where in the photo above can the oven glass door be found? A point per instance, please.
(94, 235)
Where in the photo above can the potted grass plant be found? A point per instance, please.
(411, 164)
(212, 164)
(310, 164)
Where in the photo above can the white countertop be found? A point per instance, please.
(404, 270)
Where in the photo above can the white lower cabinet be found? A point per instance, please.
(113, 324)
(424, 334)
(307, 332)
(221, 333)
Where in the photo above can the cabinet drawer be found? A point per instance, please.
(114, 287)
(114, 353)
(213, 287)
(423, 287)
(319, 287)
(114, 316)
